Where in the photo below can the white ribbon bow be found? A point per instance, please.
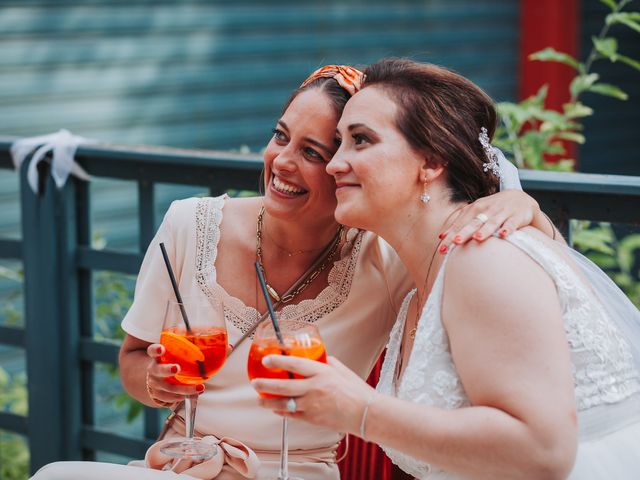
(64, 146)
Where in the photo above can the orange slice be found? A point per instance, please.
(181, 348)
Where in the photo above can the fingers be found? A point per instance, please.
(286, 388)
(155, 350)
(299, 365)
(468, 226)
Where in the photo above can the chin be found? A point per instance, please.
(348, 216)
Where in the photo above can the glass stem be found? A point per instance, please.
(283, 474)
(190, 404)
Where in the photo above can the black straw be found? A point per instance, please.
(267, 299)
(174, 284)
(176, 291)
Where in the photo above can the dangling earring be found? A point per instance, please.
(424, 198)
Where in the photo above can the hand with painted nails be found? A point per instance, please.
(162, 387)
(330, 395)
(501, 214)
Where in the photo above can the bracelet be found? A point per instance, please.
(157, 403)
(553, 227)
(363, 421)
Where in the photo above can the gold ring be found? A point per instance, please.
(482, 217)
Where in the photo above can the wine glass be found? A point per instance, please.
(194, 336)
(300, 339)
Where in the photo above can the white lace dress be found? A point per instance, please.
(607, 385)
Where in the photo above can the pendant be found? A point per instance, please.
(273, 293)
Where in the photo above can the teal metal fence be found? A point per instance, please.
(59, 263)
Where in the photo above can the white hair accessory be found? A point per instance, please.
(492, 164)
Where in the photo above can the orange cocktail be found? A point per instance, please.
(297, 345)
(200, 353)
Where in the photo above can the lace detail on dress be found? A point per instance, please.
(208, 220)
(602, 362)
(603, 365)
(430, 377)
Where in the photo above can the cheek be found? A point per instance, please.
(270, 153)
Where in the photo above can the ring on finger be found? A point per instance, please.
(482, 217)
(291, 405)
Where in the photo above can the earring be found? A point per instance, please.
(424, 198)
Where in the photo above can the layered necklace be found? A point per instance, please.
(332, 248)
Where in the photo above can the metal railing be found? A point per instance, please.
(59, 262)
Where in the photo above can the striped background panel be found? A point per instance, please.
(214, 74)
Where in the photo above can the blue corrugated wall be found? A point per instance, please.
(214, 74)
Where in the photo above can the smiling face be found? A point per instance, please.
(375, 168)
(297, 186)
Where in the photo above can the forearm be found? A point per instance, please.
(133, 372)
(542, 222)
(482, 442)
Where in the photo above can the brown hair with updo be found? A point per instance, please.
(338, 95)
(440, 114)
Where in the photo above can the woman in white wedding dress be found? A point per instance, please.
(509, 359)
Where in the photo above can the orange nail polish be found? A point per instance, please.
(443, 249)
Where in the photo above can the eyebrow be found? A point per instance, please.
(311, 140)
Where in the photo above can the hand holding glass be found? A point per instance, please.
(199, 347)
(300, 339)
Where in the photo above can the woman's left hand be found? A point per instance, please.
(503, 212)
(330, 396)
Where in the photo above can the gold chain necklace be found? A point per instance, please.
(414, 330)
(332, 246)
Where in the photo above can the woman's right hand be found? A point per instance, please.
(161, 392)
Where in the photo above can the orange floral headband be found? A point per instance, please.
(347, 77)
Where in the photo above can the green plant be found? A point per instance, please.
(615, 255)
(530, 132)
(14, 453)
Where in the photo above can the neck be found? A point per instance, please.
(414, 232)
(291, 237)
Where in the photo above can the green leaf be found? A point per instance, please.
(607, 47)
(577, 110)
(626, 249)
(629, 61)
(611, 4)
(581, 83)
(572, 137)
(608, 90)
(552, 55)
(626, 18)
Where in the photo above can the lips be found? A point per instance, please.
(287, 188)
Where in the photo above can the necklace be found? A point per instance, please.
(332, 247)
(414, 330)
(290, 254)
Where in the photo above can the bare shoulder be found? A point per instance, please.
(495, 269)
(241, 210)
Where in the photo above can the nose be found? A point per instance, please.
(285, 160)
(338, 165)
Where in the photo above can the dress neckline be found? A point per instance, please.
(421, 325)
(209, 216)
